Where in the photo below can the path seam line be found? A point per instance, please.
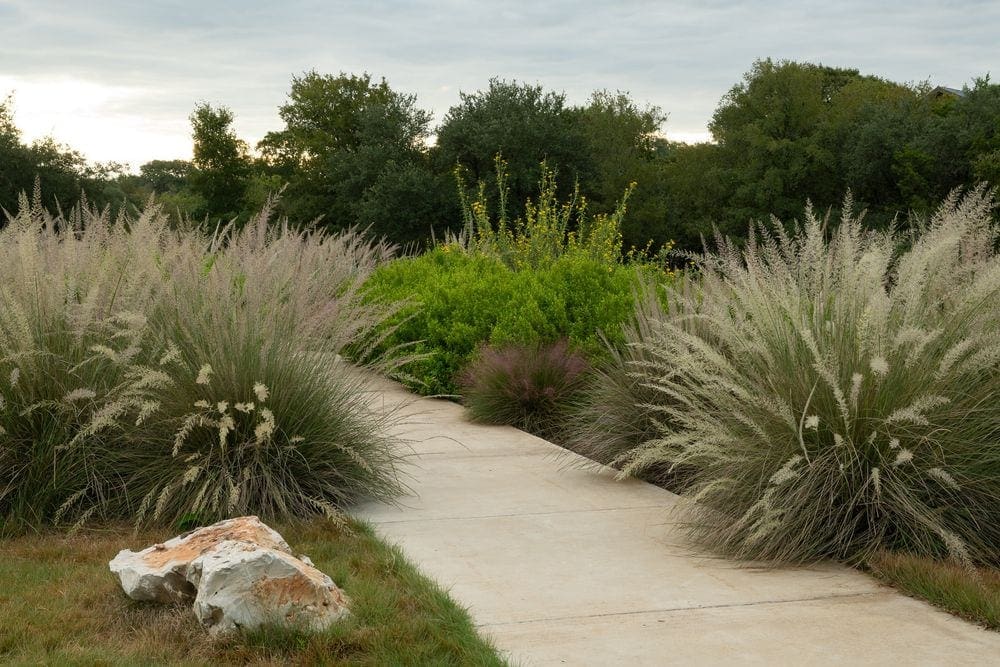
(512, 514)
(670, 610)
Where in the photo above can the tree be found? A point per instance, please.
(769, 129)
(63, 173)
(697, 188)
(792, 132)
(964, 140)
(871, 135)
(624, 146)
(15, 165)
(525, 125)
(165, 176)
(221, 163)
(353, 152)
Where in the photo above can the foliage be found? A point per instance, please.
(524, 123)
(325, 113)
(164, 176)
(63, 172)
(614, 412)
(836, 397)
(151, 374)
(773, 134)
(627, 152)
(460, 301)
(398, 616)
(221, 164)
(352, 152)
(529, 387)
(558, 273)
(548, 230)
(791, 132)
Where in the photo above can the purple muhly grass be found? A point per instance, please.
(525, 386)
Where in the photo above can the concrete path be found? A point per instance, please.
(561, 564)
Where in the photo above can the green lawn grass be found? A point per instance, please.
(971, 594)
(59, 604)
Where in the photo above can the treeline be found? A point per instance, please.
(64, 172)
(354, 152)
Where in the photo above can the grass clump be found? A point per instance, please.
(615, 411)
(529, 387)
(833, 392)
(152, 374)
(60, 605)
(973, 594)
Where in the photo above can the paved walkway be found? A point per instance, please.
(561, 564)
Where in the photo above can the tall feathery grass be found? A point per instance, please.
(613, 413)
(832, 392)
(158, 374)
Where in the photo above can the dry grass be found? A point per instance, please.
(832, 390)
(61, 605)
(971, 594)
(152, 373)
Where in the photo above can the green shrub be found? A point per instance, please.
(459, 302)
(453, 301)
(556, 274)
(549, 229)
(833, 394)
(530, 387)
(157, 375)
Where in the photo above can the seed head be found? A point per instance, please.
(204, 375)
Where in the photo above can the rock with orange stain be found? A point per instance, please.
(159, 573)
(241, 586)
(239, 573)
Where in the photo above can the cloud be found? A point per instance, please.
(104, 122)
(162, 58)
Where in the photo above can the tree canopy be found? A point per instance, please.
(221, 162)
(354, 152)
(62, 173)
(523, 123)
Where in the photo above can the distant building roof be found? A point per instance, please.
(941, 91)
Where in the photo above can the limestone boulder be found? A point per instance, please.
(243, 586)
(160, 573)
(238, 573)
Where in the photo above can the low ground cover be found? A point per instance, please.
(973, 594)
(61, 605)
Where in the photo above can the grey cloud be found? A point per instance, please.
(682, 56)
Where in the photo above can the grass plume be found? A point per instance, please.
(834, 391)
(156, 373)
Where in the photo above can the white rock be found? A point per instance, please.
(243, 586)
(160, 572)
(240, 574)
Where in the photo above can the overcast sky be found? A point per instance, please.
(117, 79)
